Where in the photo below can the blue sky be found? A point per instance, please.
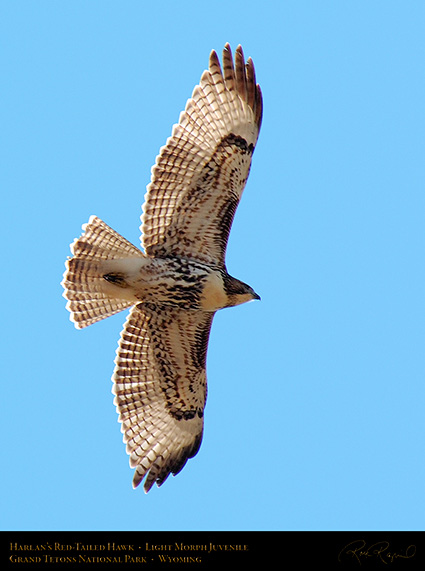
(314, 419)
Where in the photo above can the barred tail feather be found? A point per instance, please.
(87, 292)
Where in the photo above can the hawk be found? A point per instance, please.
(180, 280)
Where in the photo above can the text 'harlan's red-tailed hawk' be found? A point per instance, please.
(175, 287)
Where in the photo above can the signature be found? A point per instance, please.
(359, 550)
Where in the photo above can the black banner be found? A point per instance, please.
(211, 550)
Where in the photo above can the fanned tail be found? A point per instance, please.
(87, 291)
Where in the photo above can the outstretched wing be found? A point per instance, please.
(160, 386)
(200, 173)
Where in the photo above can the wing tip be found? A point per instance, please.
(239, 76)
(160, 468)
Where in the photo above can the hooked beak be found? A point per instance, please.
(256, 296)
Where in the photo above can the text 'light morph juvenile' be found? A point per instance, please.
(175, 287)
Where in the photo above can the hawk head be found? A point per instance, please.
(238, 292)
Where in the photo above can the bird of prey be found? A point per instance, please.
(180, 280)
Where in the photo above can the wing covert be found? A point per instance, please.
(199, 175)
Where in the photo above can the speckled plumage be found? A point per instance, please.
(177, 284)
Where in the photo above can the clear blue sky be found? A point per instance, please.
(315, 414)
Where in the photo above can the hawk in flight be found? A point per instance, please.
(180, 280)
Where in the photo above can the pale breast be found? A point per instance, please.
(213, 295)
